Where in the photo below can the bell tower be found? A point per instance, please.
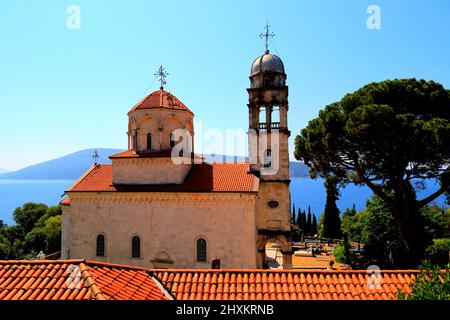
(269, 153)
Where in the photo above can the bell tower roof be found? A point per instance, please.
(267, 63)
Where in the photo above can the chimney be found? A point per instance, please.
(215, 263)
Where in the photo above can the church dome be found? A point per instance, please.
(267, 63)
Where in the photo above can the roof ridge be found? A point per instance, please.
(74, 261)
(116, 265)
(281, 271)
(97, 294)
(83, 176)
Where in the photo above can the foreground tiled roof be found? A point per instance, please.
(217, 177)
(85, 280)
(160, 99)
(284, 285)
(75, 280)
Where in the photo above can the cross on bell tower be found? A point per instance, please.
(162, 75)
(268, 34)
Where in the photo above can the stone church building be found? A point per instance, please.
(146, 210)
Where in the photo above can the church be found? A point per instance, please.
(146, 209)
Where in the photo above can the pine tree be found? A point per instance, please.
(309, 222)
(332, 220)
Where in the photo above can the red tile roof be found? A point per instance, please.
(65, 202)
(75, 280)
(284, 285)
(148, 154)
(217, 177)
(84, 280)
(160, 99)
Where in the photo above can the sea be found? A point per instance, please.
(305, 192)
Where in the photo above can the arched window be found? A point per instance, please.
(100, 250)
(262, 115)
(136, 247)
(172, 140)
(201, 249)
(149, 141)
(268, 158)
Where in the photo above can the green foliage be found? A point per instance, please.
(385, 135)
(439, 251)
(431, 284)
(437, 221)
(38, 228)
(376, 229)
(331, 219)
(27, 215)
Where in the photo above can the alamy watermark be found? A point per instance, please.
(73, 21)
(373, 21)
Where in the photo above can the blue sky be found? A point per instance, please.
(64, 90)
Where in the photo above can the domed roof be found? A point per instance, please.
(267, 62)
(160, 99)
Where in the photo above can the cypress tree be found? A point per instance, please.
(332, 220)
(314, 226)
(305, 225)
(309, 222)
(299, 219)
(293, 215)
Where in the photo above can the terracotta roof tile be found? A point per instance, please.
(284, 285)
(205, 177)
(160, 99)
(75, 280)
(81, 280)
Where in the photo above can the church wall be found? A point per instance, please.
(148, 170)
(168, 223)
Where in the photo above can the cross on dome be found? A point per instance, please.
(161, 74)
(268, 34)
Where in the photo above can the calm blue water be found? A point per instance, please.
(304, 192)
(14, 193)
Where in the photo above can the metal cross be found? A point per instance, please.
(267, 34)
(161, 74)
(95, 156)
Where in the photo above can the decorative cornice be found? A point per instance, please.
(197, 199)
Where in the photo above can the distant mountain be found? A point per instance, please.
(4, 171)
(69, 167)
(72, 166)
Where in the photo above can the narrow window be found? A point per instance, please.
(172, 140)
(100, 245)
(201, 249)
(136, 247)
(268, 158)
(149, 141)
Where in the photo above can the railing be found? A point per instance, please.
(272, 125)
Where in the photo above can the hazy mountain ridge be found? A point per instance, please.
(72, 166)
